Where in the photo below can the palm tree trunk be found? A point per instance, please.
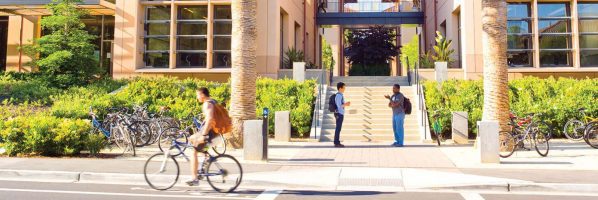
(494, 38)
(243, 72)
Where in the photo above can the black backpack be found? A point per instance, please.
(407, 105)
(332, 104)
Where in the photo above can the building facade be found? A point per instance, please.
(545, 37)
(192, 38)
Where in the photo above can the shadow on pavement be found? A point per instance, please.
(333, 193)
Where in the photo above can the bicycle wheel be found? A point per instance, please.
(591, 135)
(161, 171)
(507, 144)
(170, 135)
(119, 138)
(141, 132)
(155, 130)
(540, 141)
(219, 145)
(545, 129)
(224, 173)
(574, 130)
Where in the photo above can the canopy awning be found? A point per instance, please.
(38, 7)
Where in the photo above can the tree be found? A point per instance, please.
(243, 72)
(373, 46)
(66, 54)
(494, 40)
(328, 61)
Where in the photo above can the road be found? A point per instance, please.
(21, 190)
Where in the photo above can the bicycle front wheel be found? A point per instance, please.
(224, 173)
(161, 171)
(574, 130)
(591, 135)
(541, 143)
(171, 137)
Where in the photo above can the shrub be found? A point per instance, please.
(556, 99)
(369, 70)
(19, 91)
(46, 135)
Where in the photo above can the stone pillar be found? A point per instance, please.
(253, 141)
(441, 71)
(299, 71)
(460, 132)
(282, 126)
(488, 142)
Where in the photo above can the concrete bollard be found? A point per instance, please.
(441, 71)
(460, 129)
(299, 71)
(253, 141)
(282, 126)
(488, 142)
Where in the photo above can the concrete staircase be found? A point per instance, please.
(369, 118)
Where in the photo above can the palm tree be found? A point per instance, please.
(243, 73)
(494, 38)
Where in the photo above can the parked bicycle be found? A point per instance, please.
(575, 128)
(522, 130)
(591, 134)
(437, 127)
(222, 172)
(113, 128)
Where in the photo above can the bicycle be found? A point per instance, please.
(515, 139)
(575, 129)
(437, 127)
(219, 144)
(591, 134)
(161, 171)
(113, 131)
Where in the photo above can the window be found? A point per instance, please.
(519, 35)
(588, 34)
(192, 30)
(222, 36)
(554, 29)
(157, 37)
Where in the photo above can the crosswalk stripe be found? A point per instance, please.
(471, 196)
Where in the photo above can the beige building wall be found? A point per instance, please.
(271, 14)
(470, 15)
(22, 31)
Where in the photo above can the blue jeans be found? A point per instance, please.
(398, 121)
(339, 125)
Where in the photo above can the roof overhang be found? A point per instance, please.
(38, 7)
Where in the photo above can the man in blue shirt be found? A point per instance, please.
(340, 112)
(398, 114)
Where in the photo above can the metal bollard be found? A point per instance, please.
(265, 114)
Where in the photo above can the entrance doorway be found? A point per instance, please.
(3, 41)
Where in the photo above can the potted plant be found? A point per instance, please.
(442, 56)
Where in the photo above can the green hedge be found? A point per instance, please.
(179, 95)
(557, 99)
(18, 91)
(49, 136)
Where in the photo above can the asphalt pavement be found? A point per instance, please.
(22, 190)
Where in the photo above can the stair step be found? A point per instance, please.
(368, 131)
(367, 121)
(369, 126)
(367, 138)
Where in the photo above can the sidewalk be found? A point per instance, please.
(359, 167)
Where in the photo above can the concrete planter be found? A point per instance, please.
(299, 71)
(441, 71)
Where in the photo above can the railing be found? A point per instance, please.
(319, 103)
(351, 6)
(421, 101)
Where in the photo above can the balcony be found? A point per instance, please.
(369, 6)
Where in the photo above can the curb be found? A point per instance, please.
(526, 187)
(138, 179)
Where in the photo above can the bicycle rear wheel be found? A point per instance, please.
(545, 129)
(591, 135)
(574, 130)
(161, 171)
(507, 144)
(224, 173)
(141, 132)
(541, 143)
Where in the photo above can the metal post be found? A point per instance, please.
(265, 113)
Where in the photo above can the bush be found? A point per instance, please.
(557, 99)
(46, 135)
(75, 102)
(369, 70)
(19, 91)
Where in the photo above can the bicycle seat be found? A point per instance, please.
(581, 109)
(164, 108)
(531, 114)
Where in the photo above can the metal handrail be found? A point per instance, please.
(421, 99)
